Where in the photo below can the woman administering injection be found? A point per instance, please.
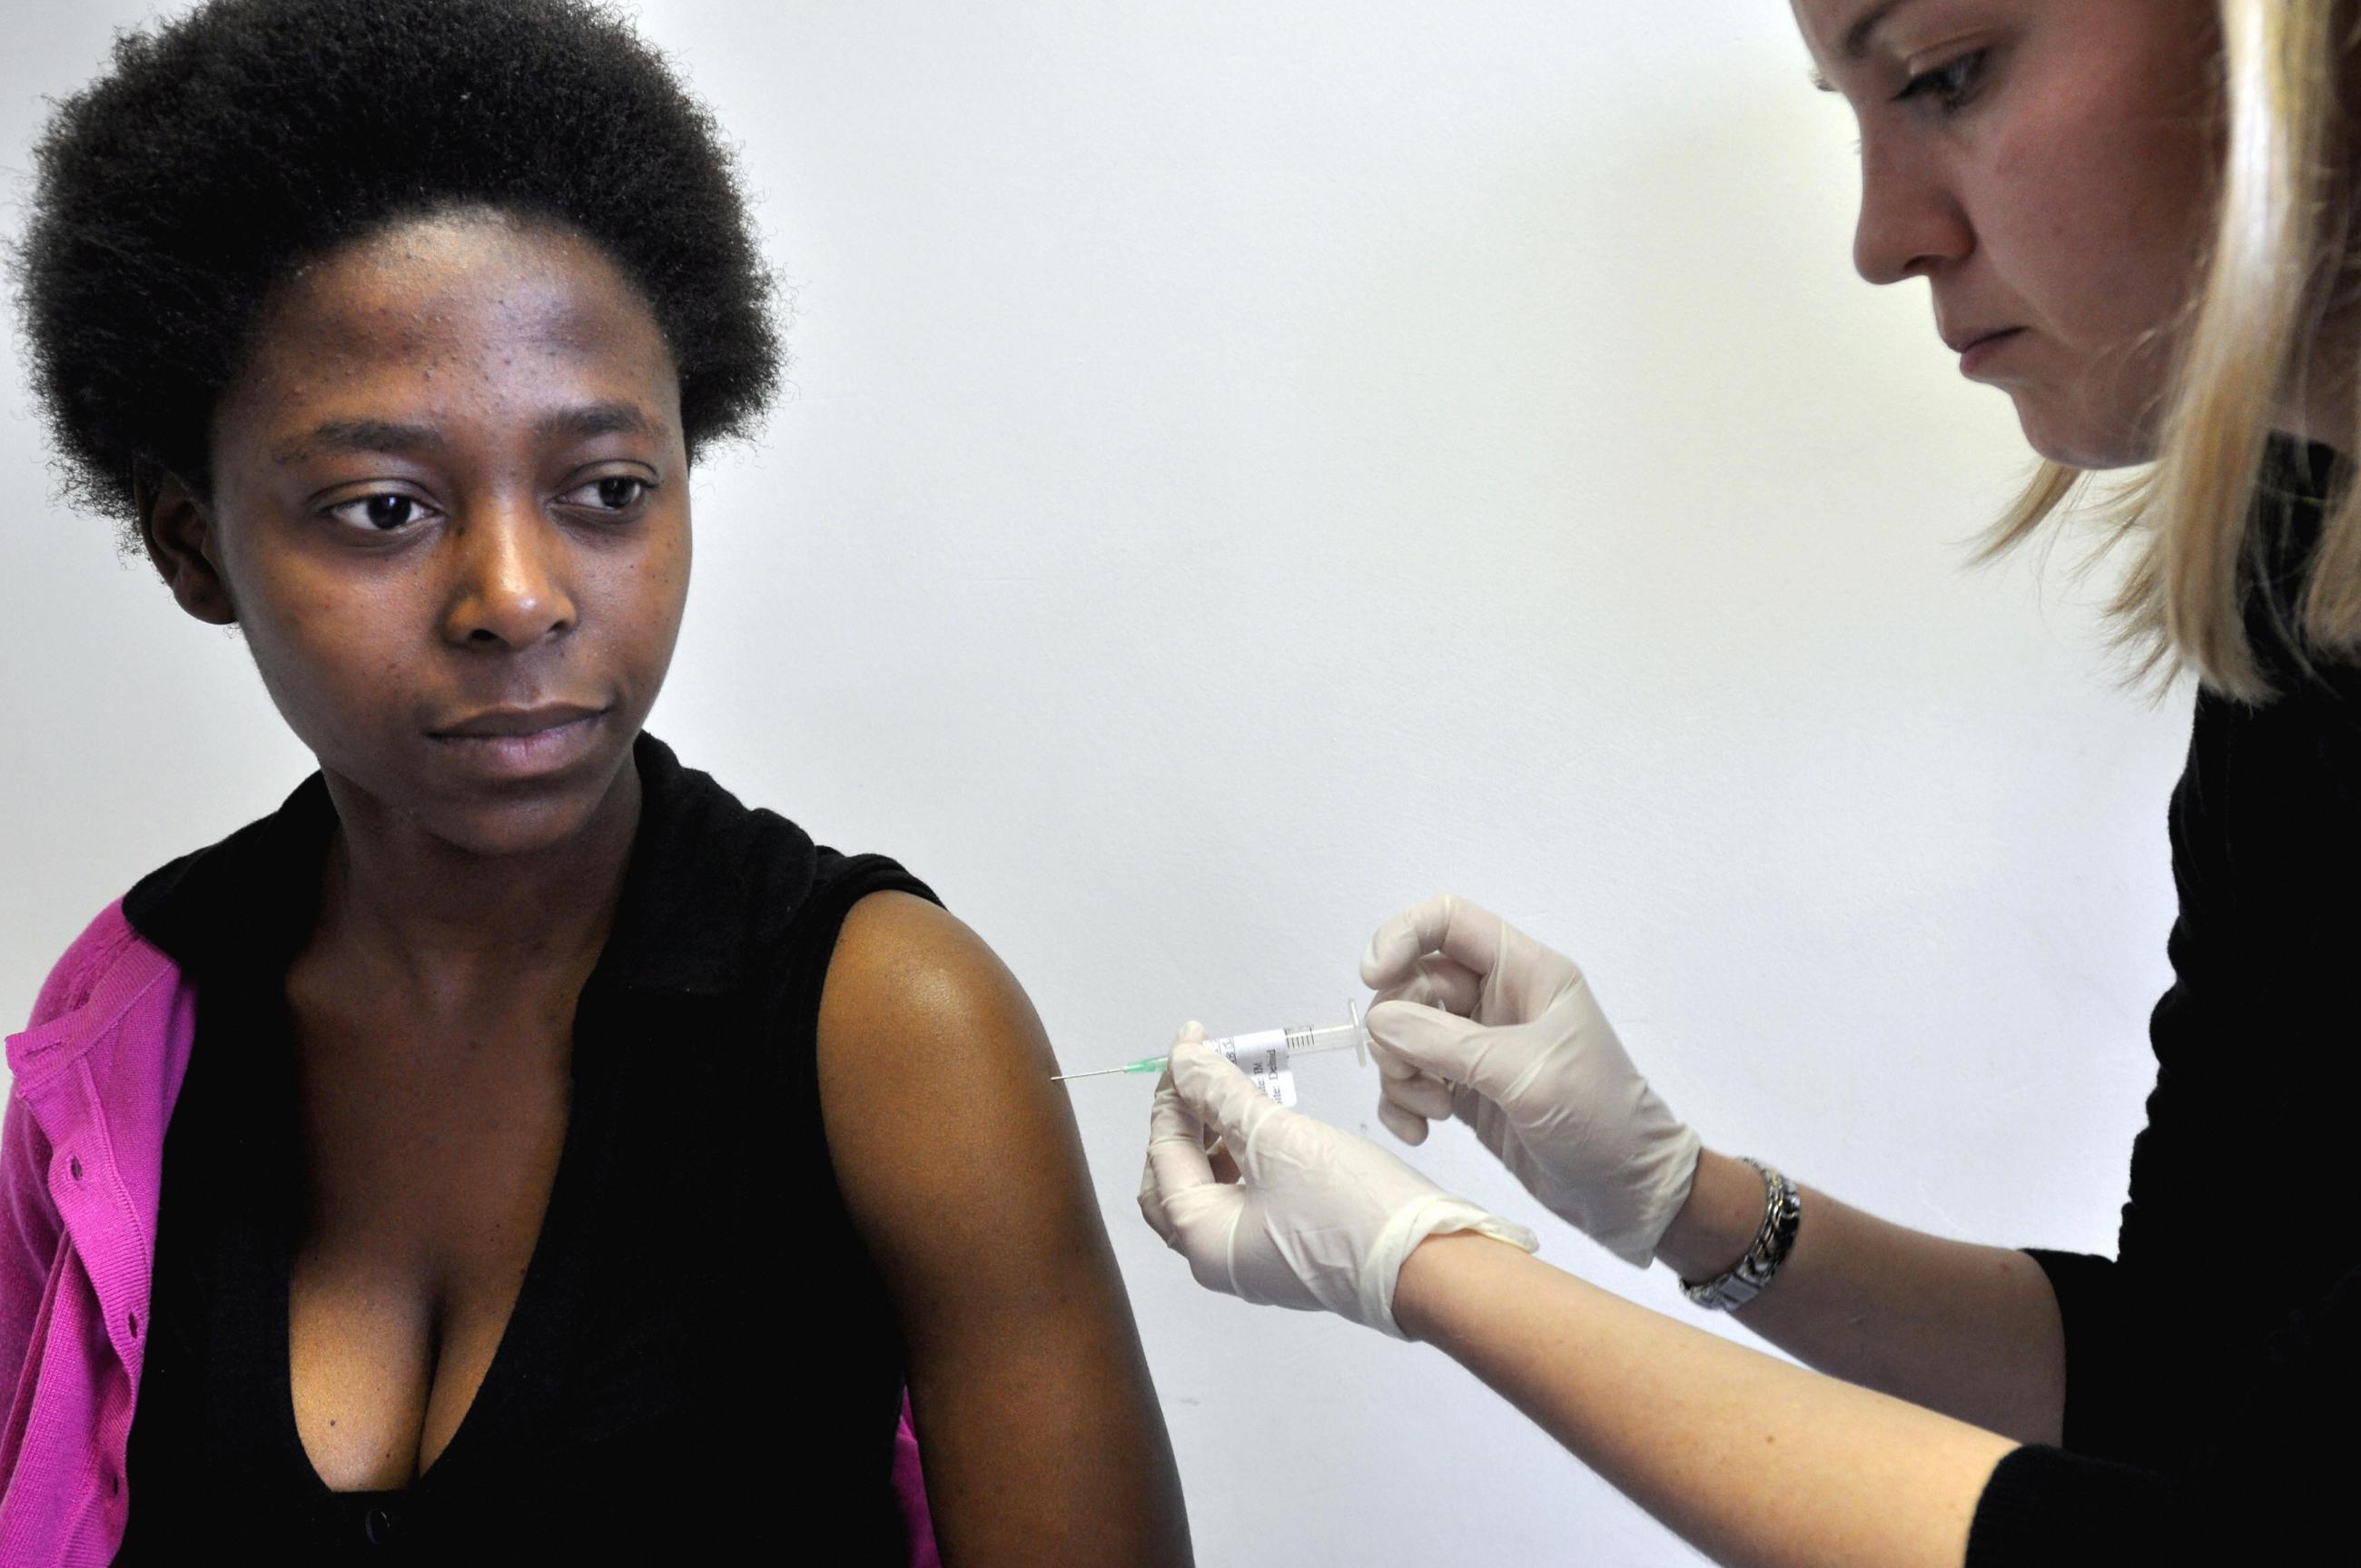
(2137, 218)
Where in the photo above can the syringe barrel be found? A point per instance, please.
(1263, 1051)
(1267, 1050)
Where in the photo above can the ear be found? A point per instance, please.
(178, 529)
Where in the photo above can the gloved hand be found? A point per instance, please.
(1475, 1019)
(1315, 1218)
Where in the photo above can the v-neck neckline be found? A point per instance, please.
(541, 1321)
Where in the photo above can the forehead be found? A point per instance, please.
(485, 302)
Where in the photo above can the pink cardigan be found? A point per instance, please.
(82, 1162)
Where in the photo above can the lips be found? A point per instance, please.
(514, 721)
(1961, 342)
(505, 746)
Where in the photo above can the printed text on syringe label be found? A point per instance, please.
(1262, 1056)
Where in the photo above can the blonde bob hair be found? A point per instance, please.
(2283, 255)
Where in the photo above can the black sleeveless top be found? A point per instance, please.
(702, 1361)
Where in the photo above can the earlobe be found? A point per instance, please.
(178, 529)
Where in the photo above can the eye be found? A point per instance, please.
(616, 493)
(388, 511)
(1948, 86)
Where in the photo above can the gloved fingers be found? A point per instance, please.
(1468, 1105)
(1390, 1064)
(1435, 1043)
(1202, 1219)
(1176, 1158)
(1176, 1175)
(1449, 924)
(1421, 1094)
(1168, 1118)
(1436, 981)
(1151, 1200)
(1411, 1088)
(1445, 982)
(1224, 1099)
(1170, 1121)
(1217, 1151)
(1407, 1125)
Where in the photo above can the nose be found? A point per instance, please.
(510, 588)
(1912, 223)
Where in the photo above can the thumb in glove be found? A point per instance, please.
(1318, 1218)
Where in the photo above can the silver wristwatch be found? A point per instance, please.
(1783, 1212)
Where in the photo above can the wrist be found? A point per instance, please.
(1718, 1221)
(1442, 1272)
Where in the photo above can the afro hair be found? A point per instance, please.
(229, 147)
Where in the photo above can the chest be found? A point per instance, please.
(2267, 829)
(698, 1322)
(428, 1161)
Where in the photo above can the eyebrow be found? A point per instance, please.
(1857, 37)
(597, 419)
(358, 435)
(372, 436)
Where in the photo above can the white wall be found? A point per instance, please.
(1250, 465)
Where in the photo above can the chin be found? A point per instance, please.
(487, 820)
(525, 825)
(2075, 439)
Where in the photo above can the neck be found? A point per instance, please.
(450, 928)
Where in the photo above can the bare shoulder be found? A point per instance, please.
(934, 1070)
(959, 1164)
(909, 979)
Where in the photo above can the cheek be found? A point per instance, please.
(2097, 210)
(325, 641)
(671, 574)
(322, 641)
(670, 569)
(646, 592)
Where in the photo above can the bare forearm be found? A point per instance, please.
(1967, 1330)
(1753, 1461)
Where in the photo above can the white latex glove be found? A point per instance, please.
(1315, 1218)
(1476, 1020)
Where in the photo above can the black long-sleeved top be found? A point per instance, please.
(2213, 1366)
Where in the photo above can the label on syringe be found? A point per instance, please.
(1262, 1056)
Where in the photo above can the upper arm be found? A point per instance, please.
(961, 1168)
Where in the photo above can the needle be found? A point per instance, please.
(1278, 1045)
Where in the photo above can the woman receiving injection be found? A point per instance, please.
(514, 1148)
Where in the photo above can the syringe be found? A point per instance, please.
(1266, 1051)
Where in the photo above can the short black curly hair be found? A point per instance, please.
(231, 144)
